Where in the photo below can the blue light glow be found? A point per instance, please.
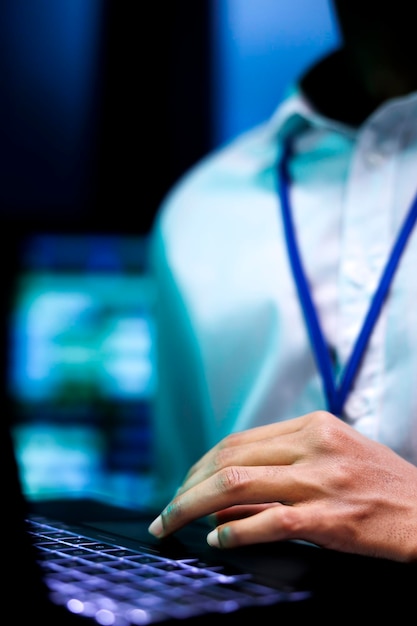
(259, 48)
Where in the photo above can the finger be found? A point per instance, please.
(250, 436)
(281, 449)
(239, 512)
(276, 523)
(230, 487)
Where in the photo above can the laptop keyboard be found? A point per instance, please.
(120, 587)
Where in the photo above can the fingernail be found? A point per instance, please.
(213, 539)
(156, 528)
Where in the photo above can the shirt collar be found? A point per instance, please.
(296, 113)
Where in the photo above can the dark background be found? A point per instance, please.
(103, 105)
(102, 163)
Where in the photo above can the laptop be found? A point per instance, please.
(81, 376)
(85, 559)
(82, 561)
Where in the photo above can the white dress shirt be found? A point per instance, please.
(233, 349)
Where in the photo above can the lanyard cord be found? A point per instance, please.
(336, 395)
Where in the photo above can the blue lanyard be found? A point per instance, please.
(335, 394)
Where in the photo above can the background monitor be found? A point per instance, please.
(82, 371)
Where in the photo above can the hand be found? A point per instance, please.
(312, 478)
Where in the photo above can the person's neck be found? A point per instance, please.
(383, 72)
(349, 92)
(378, 49)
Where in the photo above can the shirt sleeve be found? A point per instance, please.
(178, 412)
